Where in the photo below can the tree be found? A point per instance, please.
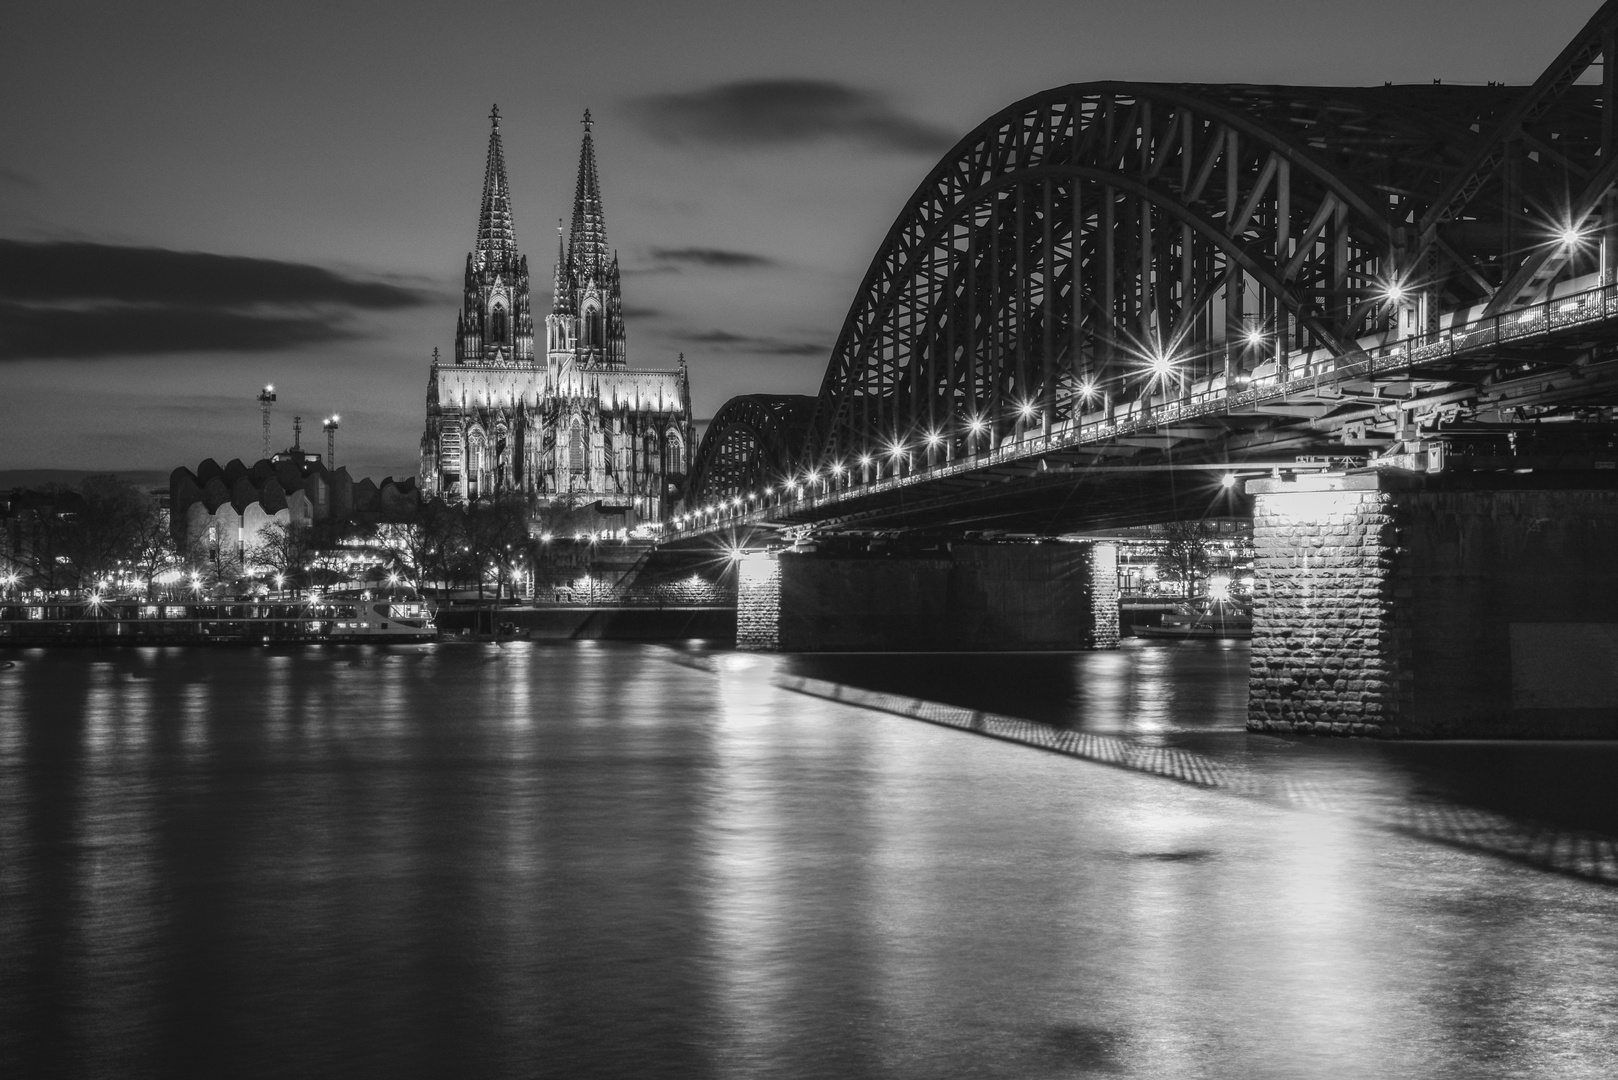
(496, 536)
(1186, 553)
(40, 532)
(426, 549)
(152, 550)
(102, 533)
(283, 549)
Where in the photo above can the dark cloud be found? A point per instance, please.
(47, 332)
(632, 311)
(84, 300)
(16, 178)
(759, 346)
(75, 270)
(715, 257)
(785, 112)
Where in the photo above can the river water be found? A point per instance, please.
(595, 860)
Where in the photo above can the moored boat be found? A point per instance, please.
(336, 619)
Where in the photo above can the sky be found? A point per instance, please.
(198, 199)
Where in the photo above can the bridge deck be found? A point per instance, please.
(1312, 405)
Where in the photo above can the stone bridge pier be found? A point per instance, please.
(1436, 606)
(972, 597)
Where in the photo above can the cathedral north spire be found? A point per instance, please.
(497, 241)
(496, 324)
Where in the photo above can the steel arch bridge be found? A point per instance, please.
(1104, 245)
(752, 441)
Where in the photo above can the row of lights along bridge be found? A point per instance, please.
(1161, 367)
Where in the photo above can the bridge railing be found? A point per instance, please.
(1300, 375)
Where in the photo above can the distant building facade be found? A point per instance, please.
(567, 423)
(220, 509)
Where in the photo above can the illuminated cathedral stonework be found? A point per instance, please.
(574, 425)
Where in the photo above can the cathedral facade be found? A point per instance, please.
(562, 420)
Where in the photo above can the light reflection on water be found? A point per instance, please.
(589, 861)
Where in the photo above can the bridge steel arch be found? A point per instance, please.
(750, 444)
(1100, 243)
(1092, 243)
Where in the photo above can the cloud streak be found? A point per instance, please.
(45, 333)
(786, 112)
(78, 300)
(75, 270)
(716, 258)
(728, 342)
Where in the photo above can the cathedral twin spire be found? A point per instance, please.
(497, 241)
(588, 243)
(586, 327)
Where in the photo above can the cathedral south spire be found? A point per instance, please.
(588, 243)
(586, 327)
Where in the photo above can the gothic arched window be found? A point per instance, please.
(676, 454)
(477, 482)
(590, 330)
(497, 330)
(575, 449)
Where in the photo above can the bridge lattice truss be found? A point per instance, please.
(1104, 243)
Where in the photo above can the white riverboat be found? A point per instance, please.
(335, 618)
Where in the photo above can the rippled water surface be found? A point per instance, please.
(593, 860)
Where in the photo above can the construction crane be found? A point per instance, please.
(266, 398)
(331, 442)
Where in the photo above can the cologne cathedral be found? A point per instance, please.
(573, 426)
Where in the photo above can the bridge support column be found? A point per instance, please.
(758, 602)
(1465, 605)
(973, 597)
